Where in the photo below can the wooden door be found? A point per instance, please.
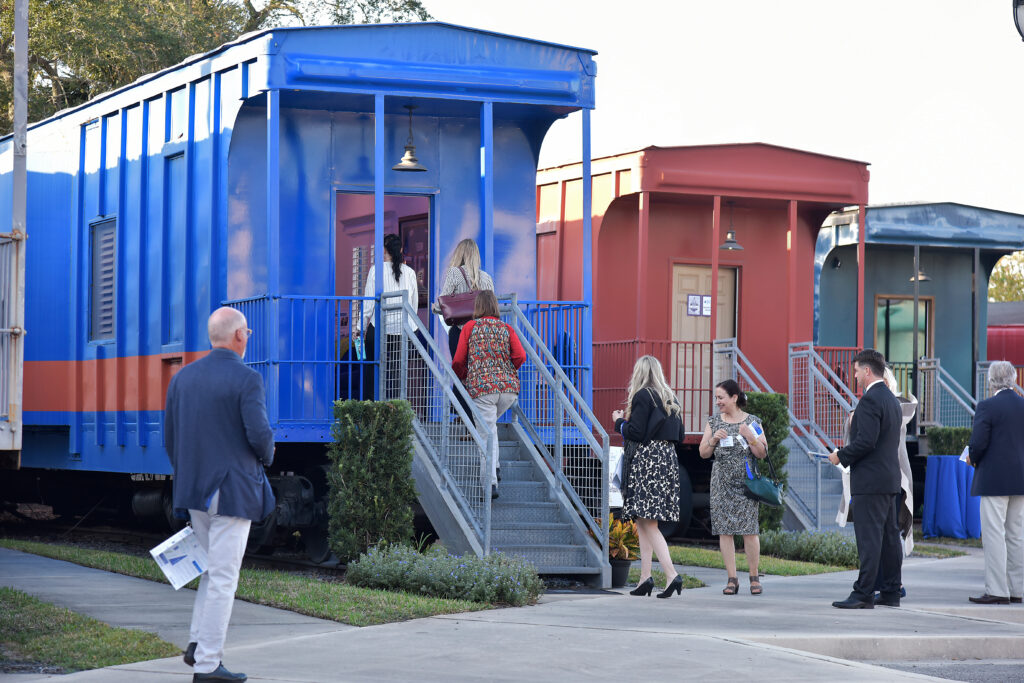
(691, 358)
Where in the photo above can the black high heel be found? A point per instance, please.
(644, 588)
(675, 587)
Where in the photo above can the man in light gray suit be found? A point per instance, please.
(218, 439)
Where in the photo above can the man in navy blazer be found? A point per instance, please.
(996, 450)
(872, 455)
(219, 439)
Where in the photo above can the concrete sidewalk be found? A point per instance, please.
(790, 633)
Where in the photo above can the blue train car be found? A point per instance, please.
(261, 173)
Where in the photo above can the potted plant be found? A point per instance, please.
(623, 548)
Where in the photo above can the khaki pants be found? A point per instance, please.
(491, 407)
(1002, 536)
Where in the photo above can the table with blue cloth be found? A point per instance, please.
(949, 509)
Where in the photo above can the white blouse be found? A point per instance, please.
(406, 281)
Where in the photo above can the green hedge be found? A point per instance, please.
(824, 547)
(772, 409)
(947, 440)
(370, 477)
(495, 579)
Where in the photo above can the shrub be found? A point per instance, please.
(773, 410)
(623, 540)
(370, 477)
(825, 547)
(947, 440)
(494, 579)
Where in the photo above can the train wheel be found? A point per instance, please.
(316, 538)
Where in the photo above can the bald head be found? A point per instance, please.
(223, 324)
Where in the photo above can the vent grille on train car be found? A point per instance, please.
(101, 299)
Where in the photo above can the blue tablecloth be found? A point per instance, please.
(949, 509)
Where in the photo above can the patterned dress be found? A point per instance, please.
(653, 489)
(731, 511)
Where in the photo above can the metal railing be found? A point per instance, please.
(12, 337)
(944, 403)
(819, 403)
(561, 426)
(412, 368)
(687, 366)
(731, 363)
(983, 390)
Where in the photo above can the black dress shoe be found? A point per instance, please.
(675, 587)
(1016, 600)
(189, 655)
(853, 603)
(987, 599)
(644, 588)
(494, 491)
(219, 674)
(887, 601)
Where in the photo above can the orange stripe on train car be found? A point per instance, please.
(107, 385)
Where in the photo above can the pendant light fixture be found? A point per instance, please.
(409, 161)
(730, 243)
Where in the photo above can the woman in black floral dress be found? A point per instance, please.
(730, 436)
(653, 423)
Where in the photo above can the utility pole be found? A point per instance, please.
(12, 252)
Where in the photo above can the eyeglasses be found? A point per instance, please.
(247, 331)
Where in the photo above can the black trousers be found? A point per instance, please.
(454, 332)
(878, 544)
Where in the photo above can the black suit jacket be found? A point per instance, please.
(872, 453)
(997, 446)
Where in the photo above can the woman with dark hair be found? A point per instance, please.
(732, 436)
(487, 361)
(397, 277)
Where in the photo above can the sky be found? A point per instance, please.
(929, 92)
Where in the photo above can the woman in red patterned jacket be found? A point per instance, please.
(486, 360)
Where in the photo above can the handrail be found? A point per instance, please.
(555, 378)
(750, 373)
(446, 381)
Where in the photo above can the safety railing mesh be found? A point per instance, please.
(985, 390)
(558, 418)
(944, 402)
(413, 369)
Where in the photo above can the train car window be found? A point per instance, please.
(894, 328)
(103, 278)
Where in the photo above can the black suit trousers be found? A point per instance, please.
(878, 544)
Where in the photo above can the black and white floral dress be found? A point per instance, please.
(653, 488)
(731, 511)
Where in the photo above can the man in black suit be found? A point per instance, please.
(872, 455)
(996, 450)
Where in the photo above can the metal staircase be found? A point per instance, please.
(553, 455)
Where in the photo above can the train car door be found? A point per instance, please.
(690, 355)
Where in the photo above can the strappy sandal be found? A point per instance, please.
(732, 586)
(755, 585)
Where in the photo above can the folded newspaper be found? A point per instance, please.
(180, 557)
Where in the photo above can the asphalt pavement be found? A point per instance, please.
(790, 633)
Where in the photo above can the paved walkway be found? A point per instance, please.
(791, 633)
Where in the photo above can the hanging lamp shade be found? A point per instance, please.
(409, 162)
(730, 243)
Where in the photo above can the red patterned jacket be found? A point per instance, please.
(488, 355)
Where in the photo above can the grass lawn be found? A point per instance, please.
(659, 579)
(946, 540)
(704, 557)
(311, 596)
(35, 634)
(925, 550)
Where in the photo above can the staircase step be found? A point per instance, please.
(545, 555)
(556, 569)
(519, 470)
(506, 511)
(524, 491)
(542, 534)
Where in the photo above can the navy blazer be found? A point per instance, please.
(218, 437)
(997, 446)
(872, 453)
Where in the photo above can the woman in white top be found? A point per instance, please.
(463, 275)
(396, 278)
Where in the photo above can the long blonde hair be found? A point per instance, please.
(647, 374)
(467, 255)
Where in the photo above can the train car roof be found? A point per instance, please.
(473, 80)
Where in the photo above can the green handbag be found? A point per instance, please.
(762, 489)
